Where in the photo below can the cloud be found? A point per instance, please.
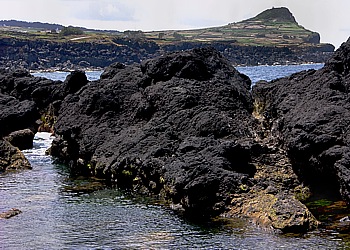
(104, 11)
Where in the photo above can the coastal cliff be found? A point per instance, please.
(67, 56)
(272, 37)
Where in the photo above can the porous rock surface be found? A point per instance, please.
(309, 115)
(171, 125)
(27, 102)
(180, 126)
(14, 115)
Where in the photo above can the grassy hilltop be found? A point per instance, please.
(272, 37)
(272, 27)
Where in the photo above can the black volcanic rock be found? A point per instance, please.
(21, 85)
(73, 82)
(196, 65)
(309, 113)
(340, 62)
(15, 114)
(24, 100)
(30, 98)
(180, 127)
(112, 70)
(172, 127)
(22, 139)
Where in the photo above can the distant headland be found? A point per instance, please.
(272, 37)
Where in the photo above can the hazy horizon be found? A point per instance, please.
(329, 18)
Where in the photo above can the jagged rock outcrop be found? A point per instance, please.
(309, 115)
(171, 125)
(21, 85)
(15, 114)
(180, 127)
(23, 139)
(28, 103)
(11, 158)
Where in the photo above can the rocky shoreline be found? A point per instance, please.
(38, 55)
(186, 127)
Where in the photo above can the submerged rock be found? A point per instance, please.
(281, 212)
(9, 214)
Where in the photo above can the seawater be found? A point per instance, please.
(61, 75)
(269, 73)
(55, 215)
(255, 73)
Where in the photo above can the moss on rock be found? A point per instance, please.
(11, 158)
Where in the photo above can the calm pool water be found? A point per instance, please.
(57, 215)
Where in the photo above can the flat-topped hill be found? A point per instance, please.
(271, 37)
(275, 15)
(272, 27)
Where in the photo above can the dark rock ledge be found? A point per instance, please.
(185, 127)
(180, 127)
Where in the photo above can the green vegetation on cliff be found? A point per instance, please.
(272, 27)
(70, 30)
(275, 15)
(272, 37)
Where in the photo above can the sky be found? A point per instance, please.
(330, 18)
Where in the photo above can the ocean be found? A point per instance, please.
(255, 73)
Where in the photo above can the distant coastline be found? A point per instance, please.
(41, 55)
(271, 38)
